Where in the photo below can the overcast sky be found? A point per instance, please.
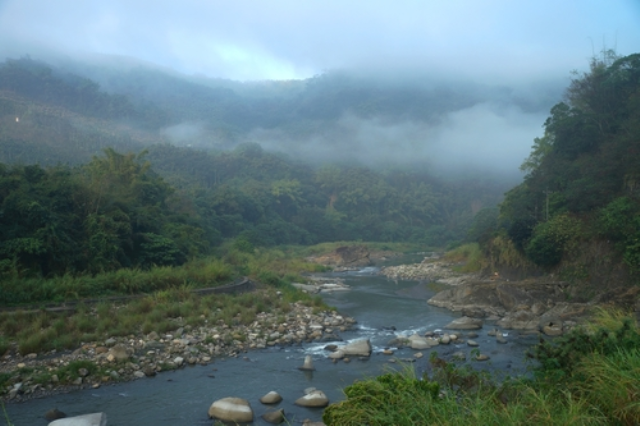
(528, 46)
(495, 40)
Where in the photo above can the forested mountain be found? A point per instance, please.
(117, 185)
(583, 175)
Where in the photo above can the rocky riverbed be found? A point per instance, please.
(535, 305)
(118, 359)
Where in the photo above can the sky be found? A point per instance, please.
(290, 39)
(529, 46)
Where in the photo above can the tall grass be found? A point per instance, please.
(402, 399)
(469, 255)
(201, 273)
(612, 384)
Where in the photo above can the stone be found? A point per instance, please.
(331, 348)
(419, 343)
(445, 340)
(178, 361)
(308, 364)
(274, 417)
(465, 323)
(94, 419)
(231, 409)
(358, 348)
(472, 343)
(552, 330)
(308, 422)
(339, 354)
(418, 355)
(149, 371)
(482, 357)
(500, 338)
(54, 414)
(119, 352)
(272, 397)
(139, 374)
(315, 399)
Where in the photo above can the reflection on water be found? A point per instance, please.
(384, 309)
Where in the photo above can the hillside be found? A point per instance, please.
(577, 212)
(90, 181)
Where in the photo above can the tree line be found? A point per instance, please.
(583, 174)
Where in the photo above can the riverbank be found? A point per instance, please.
(535, 305)
(116, 359)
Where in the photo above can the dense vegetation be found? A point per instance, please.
(582, 175)
(116, 211)
(589, 377)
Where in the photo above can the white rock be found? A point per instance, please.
(94, 419)
(314, 399)
(231, 410)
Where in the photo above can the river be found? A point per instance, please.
(183, 397)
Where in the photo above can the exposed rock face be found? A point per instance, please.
(348, 256)
(231, 410)
(522, 305)
(94, 419)
(429, 269)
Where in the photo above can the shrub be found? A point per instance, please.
(552, 239)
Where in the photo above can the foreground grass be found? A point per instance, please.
(584, 378)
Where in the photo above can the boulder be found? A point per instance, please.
(94, 419)
(275, 417)
(54, 414)
(357, 348)
(308, 364)
(314, 399)
(309, 288)
(465, 323)
(231, 410)
(552, 330)
(119, 352)
(272, 397)
(419, 343)
(519, 320)
(339, 354)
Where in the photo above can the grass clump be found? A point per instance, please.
(468, 255)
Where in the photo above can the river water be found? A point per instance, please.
(183, 397)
